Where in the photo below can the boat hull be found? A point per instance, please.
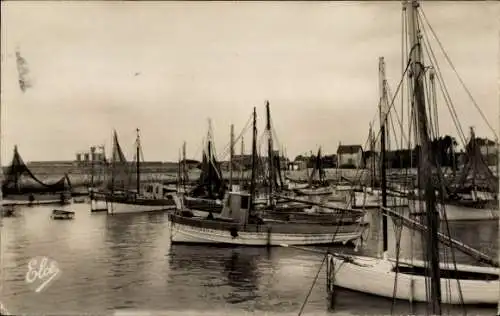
(194, 231)
(458, 213)
(140, 206)
(318, 191)
(454, 213)
(320, 218)
(98, 206)
(376, 277)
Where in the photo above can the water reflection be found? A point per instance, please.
(125, 261)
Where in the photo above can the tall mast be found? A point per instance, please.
(372, 153)
(270, 155)
(231, 156)
(1, 166)
(184, 169)
(383, 120)
(498, 199)
(426, 157)
(209, 158)
(92, 155)
(242, 160)
(179, 174)
(113, 158)
(434, 112)
(138, 162)
(254, 159)
(473, 152)
(102, 164)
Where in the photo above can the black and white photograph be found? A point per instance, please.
(238, 158)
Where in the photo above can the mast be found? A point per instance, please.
(231, 156)
(179, 177)
(383, 120)
(209, 158)
(498, 199)
(113, 163)
(372, 153)
(473, 156)
(426, 157)
(184, 171)
(92, 155)
(138, 162)
(1, 166)
(270, 155)
(254, 160)
(242, 168)
(434, 101)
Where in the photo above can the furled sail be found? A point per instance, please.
(20, 180)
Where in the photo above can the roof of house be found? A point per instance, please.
(349, 149)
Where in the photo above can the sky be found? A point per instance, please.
(166, 67)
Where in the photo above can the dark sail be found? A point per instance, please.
(278, 175)
(119, 168)
(20, 180)
(210, 184)
(318, 167)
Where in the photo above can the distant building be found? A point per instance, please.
(350, 156)
(91, 155)
(297, 165)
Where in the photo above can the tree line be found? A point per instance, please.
(444, 149)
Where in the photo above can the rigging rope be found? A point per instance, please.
(323, 261)
(227, 148)
(443, 87)
(421, 11)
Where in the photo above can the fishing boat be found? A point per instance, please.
(62, 214)
(118, 197)
(98, 202)
(320, 187)
(476, 186)
(22, 187)
(282, 204)
(147, 197)
(208, 192)
(431, 281)
(239, 224)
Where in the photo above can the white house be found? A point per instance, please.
(350, 155)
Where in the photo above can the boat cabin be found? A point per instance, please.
(156, 191)
(236, 207)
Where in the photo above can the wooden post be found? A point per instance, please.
(231, 156)
(269, 236)
(330, 281)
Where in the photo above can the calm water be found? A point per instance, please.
(125, 262)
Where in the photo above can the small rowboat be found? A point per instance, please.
(61, 214)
